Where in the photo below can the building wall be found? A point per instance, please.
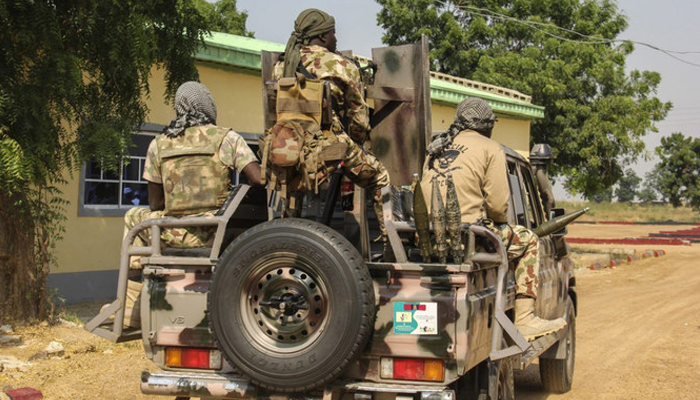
(88, 256)
(510, 131)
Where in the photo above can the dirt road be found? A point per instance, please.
(638, 337)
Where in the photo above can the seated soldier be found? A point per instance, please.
(187, 168)
(478, 166)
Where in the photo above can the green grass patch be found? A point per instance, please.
(631, 212)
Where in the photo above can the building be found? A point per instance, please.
(229, 66)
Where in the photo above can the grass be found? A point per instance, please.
(631, 212)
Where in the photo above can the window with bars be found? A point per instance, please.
(105, 193)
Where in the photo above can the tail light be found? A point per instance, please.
(191, 357)
(413, 369)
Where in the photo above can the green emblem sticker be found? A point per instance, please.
(415, 318)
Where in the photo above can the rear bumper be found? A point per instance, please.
(190, 384)
(230, 386)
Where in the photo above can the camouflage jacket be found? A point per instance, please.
(346, 87)
(194, 168)
(478, 168)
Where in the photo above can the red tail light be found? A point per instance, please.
(414, 369)
(188, 357)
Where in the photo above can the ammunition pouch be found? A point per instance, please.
(298, 154)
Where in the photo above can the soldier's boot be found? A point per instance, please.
(388, 253)
(132, 306)
(531, 326)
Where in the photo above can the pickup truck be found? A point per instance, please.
(295, 308)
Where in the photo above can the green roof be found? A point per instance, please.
(243, 53)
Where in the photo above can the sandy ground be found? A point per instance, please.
(638, 337)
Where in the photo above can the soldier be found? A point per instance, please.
(540, 158)
(478, 166)
(311, 51)
(187, 168)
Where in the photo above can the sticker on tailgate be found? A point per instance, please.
(415, 318)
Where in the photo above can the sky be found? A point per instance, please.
(669, 25)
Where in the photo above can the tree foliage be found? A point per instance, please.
(678, 172)
(628, 186)
(562, 52)
(223, 16)
(73, 80)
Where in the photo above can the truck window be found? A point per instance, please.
(517, 194)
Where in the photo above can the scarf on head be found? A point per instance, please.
(472, 113)
(309, 24)
(194, 106)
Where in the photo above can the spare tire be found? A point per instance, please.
(291, 304)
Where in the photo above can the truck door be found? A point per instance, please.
(549, 284)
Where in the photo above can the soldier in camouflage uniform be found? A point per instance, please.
(311, 50)
(187, 169)
(312, 46)
(478, 166)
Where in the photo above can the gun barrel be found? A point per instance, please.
(558, 223)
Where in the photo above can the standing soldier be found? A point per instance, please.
(478, 167)
(311, 52)
(540, 158)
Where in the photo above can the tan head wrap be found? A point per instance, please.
(309, 24)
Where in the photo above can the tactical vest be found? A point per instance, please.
(194, 179)
(300, 151)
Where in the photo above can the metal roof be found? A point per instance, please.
(243, 53)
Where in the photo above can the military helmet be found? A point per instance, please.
(540, 154)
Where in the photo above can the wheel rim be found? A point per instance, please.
(284, 304)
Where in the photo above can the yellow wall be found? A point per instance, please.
(93, 243)
(512, 132)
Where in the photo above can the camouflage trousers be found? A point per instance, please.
(170, 237)
(524, 251)
(361, 166)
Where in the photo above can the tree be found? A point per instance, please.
(678, 172)
(223, 16)
(627, 189)
(73, 78)
(649, 193)
(562, 52)
(603, 196)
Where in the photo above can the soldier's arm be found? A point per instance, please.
(152, 174)
(235, 153)
(545, 190)
(496, 188)
(156, 196)
(356, 108)
(252, 172)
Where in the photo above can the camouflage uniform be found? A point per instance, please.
(478, 167)
(346, 89)
(194, 184)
